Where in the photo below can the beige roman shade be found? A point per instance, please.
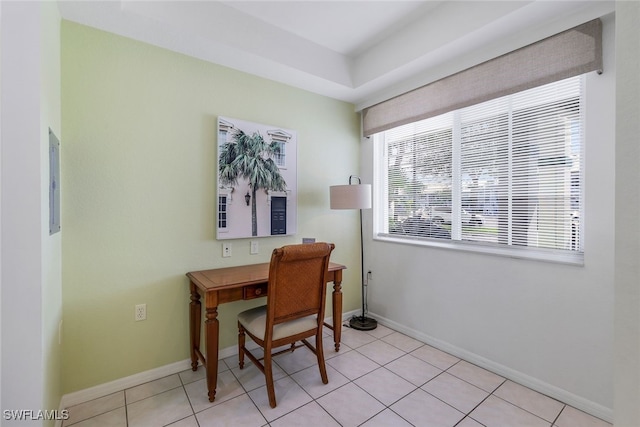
(567, 54)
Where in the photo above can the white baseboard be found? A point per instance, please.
(120, 384)
(552, 391)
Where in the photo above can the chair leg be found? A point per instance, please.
(241, 342)
(268, 374)
(320, 355)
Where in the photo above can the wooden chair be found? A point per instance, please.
(294, 309)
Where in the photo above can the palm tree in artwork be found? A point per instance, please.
(251, 157)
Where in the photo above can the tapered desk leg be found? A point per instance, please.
(337, 308)
(212, 330)
(194, 325)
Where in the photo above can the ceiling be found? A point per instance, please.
(361, 51)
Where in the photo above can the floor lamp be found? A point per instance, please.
(355, 196)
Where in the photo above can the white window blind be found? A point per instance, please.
(506, 172)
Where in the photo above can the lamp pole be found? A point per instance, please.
(362, 323)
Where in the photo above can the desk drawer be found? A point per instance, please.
(254, 291)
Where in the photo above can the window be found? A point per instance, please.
(222, 212)
(280, 154)
(505, 174)
(279, 139)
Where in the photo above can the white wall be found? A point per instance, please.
(627, 268)
(1, 406)
(30, 259)
(548, 326)
(21, 208)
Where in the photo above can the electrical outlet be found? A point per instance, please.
(255, 247)
(141, 312)
(226, 250)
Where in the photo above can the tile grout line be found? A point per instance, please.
(193, 412)
(559, 413)
(126, 408)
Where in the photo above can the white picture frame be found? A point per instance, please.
(256, 180)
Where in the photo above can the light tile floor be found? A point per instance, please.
(379, 378)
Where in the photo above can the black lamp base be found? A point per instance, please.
(363, 323)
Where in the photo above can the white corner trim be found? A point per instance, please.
(550, 390)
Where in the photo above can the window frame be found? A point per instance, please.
(381, 211)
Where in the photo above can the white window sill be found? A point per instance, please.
(536, 254)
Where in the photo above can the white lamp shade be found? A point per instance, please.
(357, 196)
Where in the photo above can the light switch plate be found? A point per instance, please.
(226, 250)
(255, 247)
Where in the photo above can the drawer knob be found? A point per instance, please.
(258, 291)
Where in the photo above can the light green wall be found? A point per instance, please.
(139, 172)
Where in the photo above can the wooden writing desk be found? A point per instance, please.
(229, 284)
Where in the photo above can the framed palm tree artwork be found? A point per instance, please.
(257, 180)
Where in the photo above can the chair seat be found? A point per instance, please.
(255, 320)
